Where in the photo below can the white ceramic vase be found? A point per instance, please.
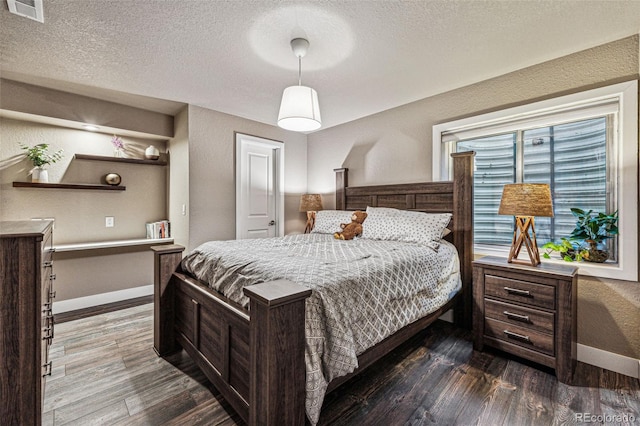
(40, 175)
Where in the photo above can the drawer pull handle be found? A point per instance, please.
(518, 292)
(48, 264)
(52, 294)
(517, 336)
(517, 317)
(52, 277)
(47, 369)
(48, 334)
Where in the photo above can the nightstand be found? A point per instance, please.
(527, 311)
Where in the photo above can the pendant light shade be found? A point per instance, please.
(299, 110)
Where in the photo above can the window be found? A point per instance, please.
(584, 146)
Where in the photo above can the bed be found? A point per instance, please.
(253, 349)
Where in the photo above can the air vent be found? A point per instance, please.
(31, 9)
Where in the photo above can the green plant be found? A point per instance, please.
(568, 250)
(40, 156)
(593, 227)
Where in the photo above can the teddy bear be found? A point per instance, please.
(353, 229)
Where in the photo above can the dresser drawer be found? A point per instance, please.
(525, 292)
(520, 316)
(521, 336)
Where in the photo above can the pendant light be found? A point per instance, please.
(299, 109)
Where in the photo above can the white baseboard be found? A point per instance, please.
(101, 299)
(609, 360)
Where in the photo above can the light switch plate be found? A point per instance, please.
(109, 221)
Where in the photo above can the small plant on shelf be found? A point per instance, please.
(39, 156)
(118, 146)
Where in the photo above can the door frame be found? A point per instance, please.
(278, 179)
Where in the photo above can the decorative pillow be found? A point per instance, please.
(385, 223)
(328, 221)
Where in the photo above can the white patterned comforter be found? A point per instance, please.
(362, 290)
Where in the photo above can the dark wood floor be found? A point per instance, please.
(106, 372)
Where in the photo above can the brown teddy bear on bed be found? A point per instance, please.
(353, 229)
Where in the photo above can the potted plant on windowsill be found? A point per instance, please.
(593, 229)
(587, 240)
(39, 156)
(569, 251)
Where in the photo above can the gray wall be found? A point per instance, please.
(394, 146)
(212, 191)
(80, 214)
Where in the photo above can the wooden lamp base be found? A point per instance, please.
(521, 236)
(311, 221)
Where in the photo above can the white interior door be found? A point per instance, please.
(258, 198)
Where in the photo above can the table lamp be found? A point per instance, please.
(310, 203)
(524, 201)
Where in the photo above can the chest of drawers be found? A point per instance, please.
(527, 311)
(26, 320)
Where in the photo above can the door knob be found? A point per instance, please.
(273, 222)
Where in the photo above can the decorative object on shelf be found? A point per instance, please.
(524, 201)
(299, 109)
(310, 203)
(118, 146)
(151, 153)
(40, 157)
(113, 179)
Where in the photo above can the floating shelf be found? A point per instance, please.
(111, 244)
(68, 186)
(120, 160)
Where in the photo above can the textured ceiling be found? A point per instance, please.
(234, 56)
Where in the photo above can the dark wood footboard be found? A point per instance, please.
(256, 361)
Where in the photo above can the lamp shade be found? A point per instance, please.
(310, 203)
(299, 109)
(526, 199)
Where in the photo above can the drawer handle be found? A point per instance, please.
(52, 295)
(48, 334)
(48, 264)
(47, 368)
(52, 277)
(517, 336)
(518, 292)
(517, 317)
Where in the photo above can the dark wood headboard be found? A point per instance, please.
(454, 197)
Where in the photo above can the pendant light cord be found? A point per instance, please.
(299, 70)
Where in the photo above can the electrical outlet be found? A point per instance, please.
(109, 221)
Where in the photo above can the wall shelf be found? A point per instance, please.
(120, 160)
(111, 244)
(68, 186)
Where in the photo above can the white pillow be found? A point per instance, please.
(328, 221)
(385, 223)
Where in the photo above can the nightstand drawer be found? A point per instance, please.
(525, 292)
(519, 316)
(520, 336)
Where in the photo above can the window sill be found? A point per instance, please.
(600, 270)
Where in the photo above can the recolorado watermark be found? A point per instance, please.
(604, 418)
